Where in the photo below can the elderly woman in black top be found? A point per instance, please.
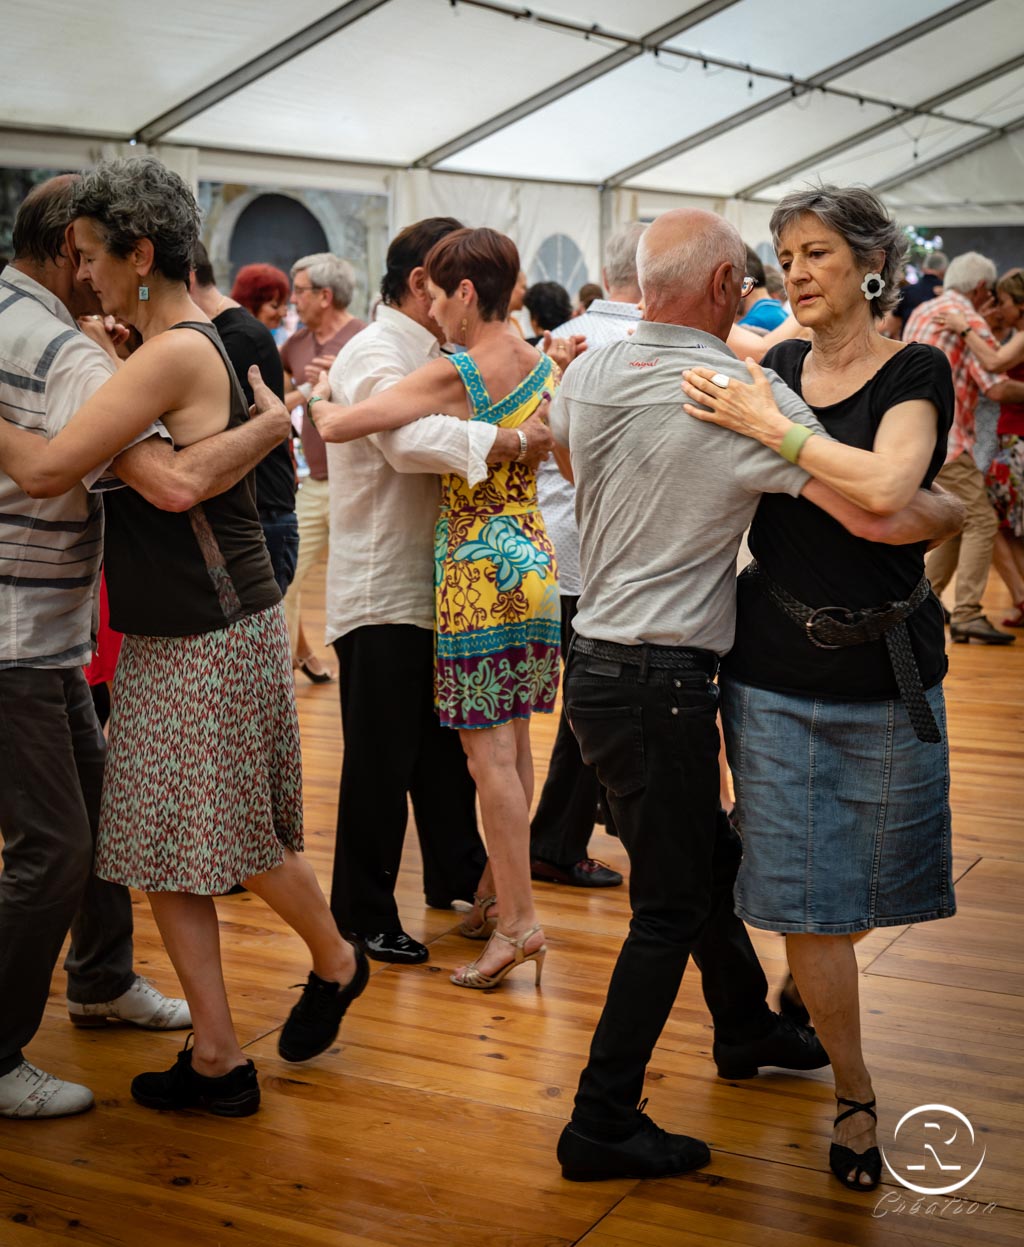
(203, 787)
(832, 696)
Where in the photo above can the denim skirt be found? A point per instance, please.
(843, 812)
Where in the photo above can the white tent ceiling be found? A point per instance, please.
(728, 99)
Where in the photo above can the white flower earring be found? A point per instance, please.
(872, 285)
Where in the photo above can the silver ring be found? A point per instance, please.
(721, 380)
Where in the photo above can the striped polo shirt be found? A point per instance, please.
(50, 548)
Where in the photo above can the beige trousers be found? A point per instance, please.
(970, 553)
(313, 510)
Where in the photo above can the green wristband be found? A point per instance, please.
(313, 398)
(793, 442)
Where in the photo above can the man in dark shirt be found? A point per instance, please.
(249, 342)
(928, 286)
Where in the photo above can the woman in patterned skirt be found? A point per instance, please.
(203, 785)
(496, 588)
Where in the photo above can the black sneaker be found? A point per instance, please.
(394, 946)
(787, 1045)
(649, 1153)
(234, 1094)
(313, 1024)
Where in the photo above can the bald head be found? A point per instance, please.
(43, 219)
(691, 265)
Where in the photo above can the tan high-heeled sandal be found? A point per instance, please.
(474, 977)
(483, 929)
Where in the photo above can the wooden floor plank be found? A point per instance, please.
(433, 1121)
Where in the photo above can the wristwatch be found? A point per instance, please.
(965, 331)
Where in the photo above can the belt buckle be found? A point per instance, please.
(812, 621)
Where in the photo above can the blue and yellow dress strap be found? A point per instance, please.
(472, 379)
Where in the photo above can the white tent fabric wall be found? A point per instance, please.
(529, 212)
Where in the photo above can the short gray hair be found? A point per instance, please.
(329, 272)
(620, 254)
(689, 268)
(862, 220)
(141, 198)
(936, 262)
(42, 220)
(967, 270)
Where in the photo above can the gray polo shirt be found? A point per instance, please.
(662, 499)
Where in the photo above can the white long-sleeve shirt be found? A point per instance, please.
(385, 488)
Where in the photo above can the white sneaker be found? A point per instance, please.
(141, 1004)
(30, 1092)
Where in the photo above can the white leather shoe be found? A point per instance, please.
(141, 1004)
(30, 1092)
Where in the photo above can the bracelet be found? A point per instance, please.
(793, 442)
(314, 398)
(524, 445)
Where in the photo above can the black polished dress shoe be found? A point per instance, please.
(234, 1094)
(394, 946)
(586, 873)
(787, 1045)
(649, 1153)
(313, 1024)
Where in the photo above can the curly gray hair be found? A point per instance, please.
(863, 221)
(141, 198)
(329, 272)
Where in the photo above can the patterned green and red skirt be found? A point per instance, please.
(203, 783)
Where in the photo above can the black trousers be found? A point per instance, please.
(395, 749)
(561, 828)
(652, 737)
(51, 772)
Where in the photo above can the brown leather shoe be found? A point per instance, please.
(978, 629)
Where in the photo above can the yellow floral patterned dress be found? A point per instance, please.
(495, 578)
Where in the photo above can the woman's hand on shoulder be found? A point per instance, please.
(745, 408)
(952, 319)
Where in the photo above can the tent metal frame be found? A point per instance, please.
(629, 48)
(622, 56)
(889, 123)
(248, 73)
(894, 42)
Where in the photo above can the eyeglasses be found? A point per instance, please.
(748, 284)
(304, 289)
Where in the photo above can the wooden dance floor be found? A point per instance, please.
(433, 1122)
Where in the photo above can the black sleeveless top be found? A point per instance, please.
(178, 574)
(815, 559)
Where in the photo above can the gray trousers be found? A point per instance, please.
(51, 772)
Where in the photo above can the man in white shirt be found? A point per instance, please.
(380, 617)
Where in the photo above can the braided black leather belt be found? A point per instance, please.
(664, 657)
(835, 627)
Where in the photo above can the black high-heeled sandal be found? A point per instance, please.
(842, 1160)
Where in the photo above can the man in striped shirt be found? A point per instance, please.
(967, 288)
(51, 746)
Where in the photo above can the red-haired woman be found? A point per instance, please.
(496, 590)
(264, 291)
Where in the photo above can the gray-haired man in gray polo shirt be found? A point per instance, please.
(662, 501)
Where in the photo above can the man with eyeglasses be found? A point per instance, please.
(322, 288)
